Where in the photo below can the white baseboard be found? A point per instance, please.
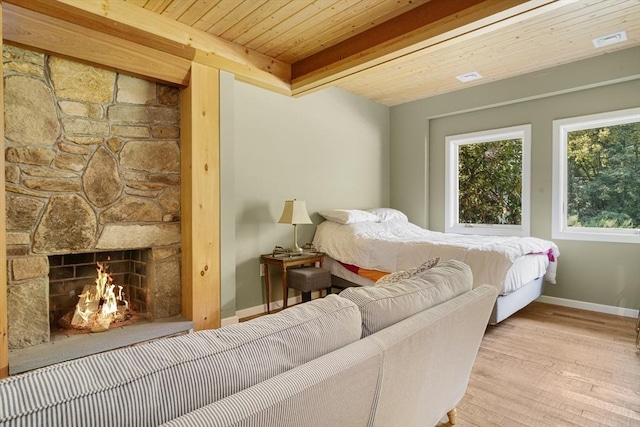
(600, 308)
(262, 309)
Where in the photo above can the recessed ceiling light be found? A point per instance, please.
(618, 37)
(468, 77)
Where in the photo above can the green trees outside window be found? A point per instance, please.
(603, 177)
(596, 177)
(490, 182)
(487, 187)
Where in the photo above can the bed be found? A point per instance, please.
(364, 246)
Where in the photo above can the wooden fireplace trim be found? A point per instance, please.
(4, 340)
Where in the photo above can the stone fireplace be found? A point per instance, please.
(92, 165)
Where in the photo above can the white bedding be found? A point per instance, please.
(505, 262)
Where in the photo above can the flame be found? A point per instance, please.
(98, 305)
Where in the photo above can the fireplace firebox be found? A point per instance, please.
(70, 274)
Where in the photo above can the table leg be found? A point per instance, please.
(266, 286)
(285, 290)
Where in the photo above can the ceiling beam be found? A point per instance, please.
(430, 24)
(131, 23)
(53, 36)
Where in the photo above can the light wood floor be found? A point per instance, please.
(555, 366)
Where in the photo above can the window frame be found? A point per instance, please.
(559, 228)
(452, 143)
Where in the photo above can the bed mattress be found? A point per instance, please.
(505, 262)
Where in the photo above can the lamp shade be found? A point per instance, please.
(295, 212)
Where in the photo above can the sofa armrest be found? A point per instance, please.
(428, 359)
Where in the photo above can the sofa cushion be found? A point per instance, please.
(149, 384)
(383, 306)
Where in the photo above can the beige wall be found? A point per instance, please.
(329, 148)
(600, 273)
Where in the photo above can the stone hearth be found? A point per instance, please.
(92, 164)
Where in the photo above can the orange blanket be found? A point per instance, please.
(369, 274)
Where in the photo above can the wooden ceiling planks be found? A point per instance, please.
(293, 14)
(195, 13)
(225, 15)
(282, 37)
(262, 25)
(339, 28)
(141, 3)
(260, 20)
(467, 21)
(548, 40)
(288, 30)
(170, 8)
(309, 18)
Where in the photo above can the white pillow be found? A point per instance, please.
(387, 214)
(394, 277)
(348, 216)
(406, 274)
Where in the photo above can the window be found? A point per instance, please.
(596, 177)
(487, 182)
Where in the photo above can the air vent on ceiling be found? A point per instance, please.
(468, 77)
(618, 37)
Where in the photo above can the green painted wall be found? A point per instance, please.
(329, 148)
(600, 273)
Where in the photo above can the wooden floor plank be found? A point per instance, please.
(549, 365)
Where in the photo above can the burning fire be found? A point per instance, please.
(100, 304)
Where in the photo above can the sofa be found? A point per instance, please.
(397, 355)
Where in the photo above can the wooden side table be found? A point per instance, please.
(285, 261)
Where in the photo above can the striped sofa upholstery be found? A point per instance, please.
(408, 374)
(150, 384)
(337, 389)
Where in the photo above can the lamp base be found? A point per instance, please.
(295, 248)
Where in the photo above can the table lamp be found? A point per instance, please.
(295, 212)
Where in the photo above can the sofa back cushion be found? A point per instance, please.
(383, 306)
(149, 384)
(338, 389)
